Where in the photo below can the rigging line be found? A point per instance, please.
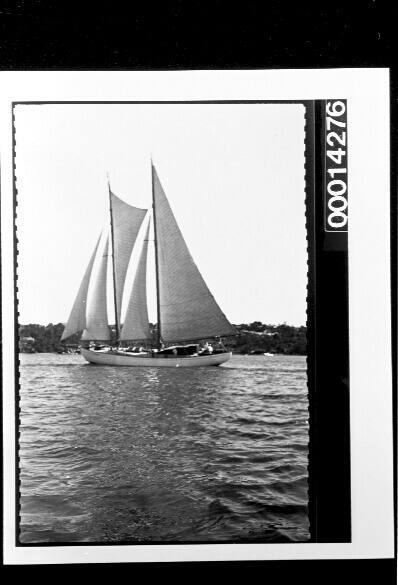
(113, 262)
(156, 258)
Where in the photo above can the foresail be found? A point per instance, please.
(127, 221)
(77, 317)
(136, 323)
(188, 310)
(97, 327)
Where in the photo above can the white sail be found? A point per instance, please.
(77, 317)
(97, 327)
(136, 323)
(188, 310)
(127, 221)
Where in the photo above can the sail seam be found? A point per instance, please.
(207, 294)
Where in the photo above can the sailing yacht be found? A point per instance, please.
(188, 317)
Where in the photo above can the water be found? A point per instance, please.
(114, 454)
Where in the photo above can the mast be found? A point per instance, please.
(156, 262)
(113, 265)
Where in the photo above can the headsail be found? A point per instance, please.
(188, 310)
(127, 221)
(77, 317)
(97, 327)
(136, 323)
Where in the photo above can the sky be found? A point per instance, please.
(233, 175)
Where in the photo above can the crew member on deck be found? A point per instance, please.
(207, 348)
(219, 345)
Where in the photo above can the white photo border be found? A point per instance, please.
(367, 94)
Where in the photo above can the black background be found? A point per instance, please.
(40, 35)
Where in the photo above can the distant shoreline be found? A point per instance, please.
(254, 338)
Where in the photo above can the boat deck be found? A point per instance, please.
(118, 358)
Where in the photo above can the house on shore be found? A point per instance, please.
(27, 345)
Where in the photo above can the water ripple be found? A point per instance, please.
(163, 455)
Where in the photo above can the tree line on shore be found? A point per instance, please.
(255, 337)
(258, 337)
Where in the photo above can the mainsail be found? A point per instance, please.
(97, 314)
(127, 221)
(77, 317)
(187, 308)
(136, 323)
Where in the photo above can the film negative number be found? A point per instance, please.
(336, 167)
